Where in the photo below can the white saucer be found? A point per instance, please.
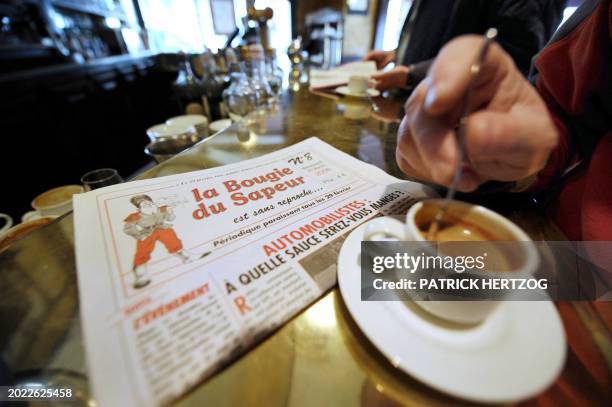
(344, 90)
(515, 354)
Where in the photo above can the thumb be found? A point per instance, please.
(450, 73)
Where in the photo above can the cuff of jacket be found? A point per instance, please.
(417, 72)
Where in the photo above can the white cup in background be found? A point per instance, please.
(33, 215)
(170, 130)
(358, 84)
(198, 121)
(466, 312)
(56, 201)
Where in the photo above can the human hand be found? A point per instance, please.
(508, 136)
(382, 58)
(394, 78)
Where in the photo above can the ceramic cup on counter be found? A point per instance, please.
(465, 222)
(197, 121)
(170, 130)
(358, 84)
(164, 148)
(100, 178)
(56, 201)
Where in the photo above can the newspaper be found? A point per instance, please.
(181, 274)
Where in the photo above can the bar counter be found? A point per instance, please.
(320, 357)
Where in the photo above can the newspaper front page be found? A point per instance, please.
(181, 274)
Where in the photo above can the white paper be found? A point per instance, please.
(320, 79)
(266, 260)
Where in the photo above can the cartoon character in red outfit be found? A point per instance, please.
(151, 224)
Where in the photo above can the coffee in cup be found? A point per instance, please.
(464, 222)
(460, 223)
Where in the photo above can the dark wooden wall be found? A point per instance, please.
(58, 123)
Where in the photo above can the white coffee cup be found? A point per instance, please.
(170, 130)
(56, 201)
(198, 121)
(465, 312)
(33, 215)
(358, 84)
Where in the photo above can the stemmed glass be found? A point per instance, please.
(100, 178)
(240, 98)
(255, 67)
(274, 74)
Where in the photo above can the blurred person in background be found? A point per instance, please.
(524, 27)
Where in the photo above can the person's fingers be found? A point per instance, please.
(408, 169)
(450, 73)
(381, 81)
(370, 56)
(381, 85)
(504, 147)
(375, 56)
(385, 80)
(437, 146)
(388, 59)
(395, 78)
(427, 147)
(434, 139)
(407, 155)
(498, 170)
(410, 163)
(469, 180)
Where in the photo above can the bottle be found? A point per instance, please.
(213, 85)
(189, 89)
(273, 73)
(240, 98)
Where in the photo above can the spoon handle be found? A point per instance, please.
(450, 193)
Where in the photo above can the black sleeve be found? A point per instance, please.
(524, 26)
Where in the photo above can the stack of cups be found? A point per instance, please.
(165, 130)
